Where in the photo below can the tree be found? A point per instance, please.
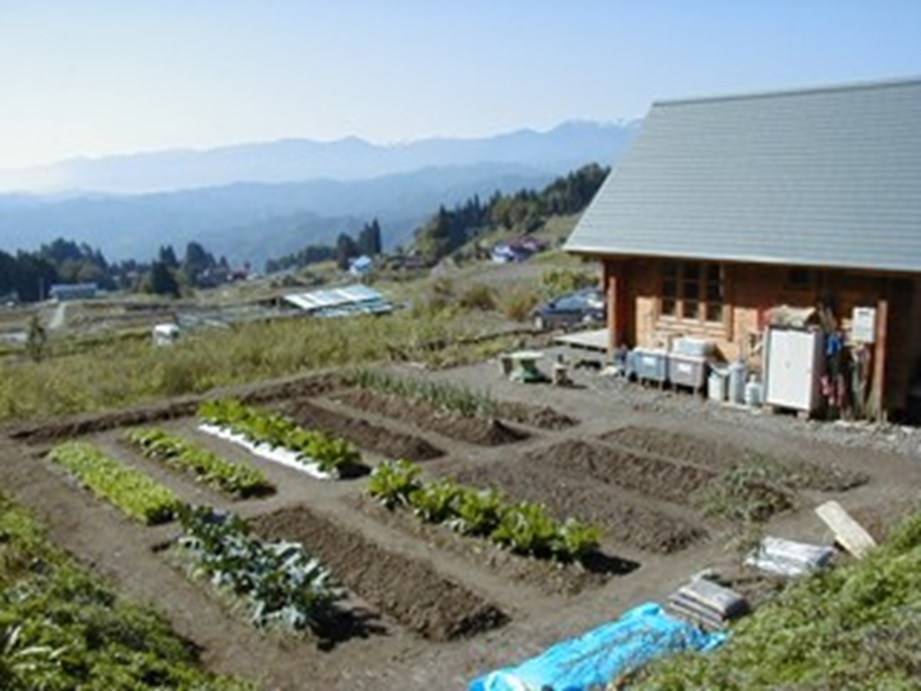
(161, 280)
(197, 261)
(346, 249)
(167, 257)
(369, 240)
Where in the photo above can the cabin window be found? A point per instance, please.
(692, 291)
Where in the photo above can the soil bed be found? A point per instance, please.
(656, 477)
(386, 442)
(565, 495)
(402, 587)
(721, 456)
(481, 431)
(542, 417)
(548, 576)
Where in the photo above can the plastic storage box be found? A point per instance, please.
(687, 370)
(648, 364)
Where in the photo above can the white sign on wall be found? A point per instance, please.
(863, 324)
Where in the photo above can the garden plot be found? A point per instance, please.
(721, 455)
(622, 517)
(655, 477)
(280, 439)
(738, 493)
(374, 438)
(544, 575)
(410, 591)
(474, 430)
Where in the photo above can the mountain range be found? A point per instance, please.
(253, 201)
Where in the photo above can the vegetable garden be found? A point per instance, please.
(439, 514)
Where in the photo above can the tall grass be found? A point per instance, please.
(116, 374)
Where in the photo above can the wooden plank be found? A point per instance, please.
(848, 532)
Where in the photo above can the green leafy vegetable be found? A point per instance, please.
(282, 584)
(332, 454)
(233, 478)
(523, 528)
(127, 488)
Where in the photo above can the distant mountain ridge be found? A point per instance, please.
(255, 201)
(564, 147)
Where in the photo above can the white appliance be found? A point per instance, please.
(794, 362)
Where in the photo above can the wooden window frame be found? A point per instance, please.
(690, 291)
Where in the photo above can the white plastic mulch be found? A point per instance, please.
(276, 454)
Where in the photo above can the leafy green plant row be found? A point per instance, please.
(332, 454)
(209, 468)
(129, 489)
(281, 583)
(524, 528)
(442, 395)
(61, 629)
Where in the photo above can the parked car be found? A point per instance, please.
(564, 312)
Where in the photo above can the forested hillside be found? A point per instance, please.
(522, 212)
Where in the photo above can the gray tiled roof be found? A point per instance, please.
(820, 177)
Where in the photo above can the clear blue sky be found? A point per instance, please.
(98, 77)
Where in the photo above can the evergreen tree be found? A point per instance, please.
(369, 240)
(167, 257)
(346, 249)
(196, 262)
(161, 280)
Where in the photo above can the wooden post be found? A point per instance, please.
(615, 286)
(879, 360)
(609, 286)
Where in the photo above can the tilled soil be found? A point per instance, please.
(474, 430)
(402, 587)
(667, 480)
(542, 417)
(386, 442)
(723, 455)
(656, 477)
(623, 519)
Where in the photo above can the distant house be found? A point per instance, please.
(506, 252)
(73, 291)
(726, 209)
(359, 266)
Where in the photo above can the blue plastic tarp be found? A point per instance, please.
(602, 654)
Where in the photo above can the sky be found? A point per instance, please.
(102, 77)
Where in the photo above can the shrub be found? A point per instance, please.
(518, 305)
(557, 281)
(479, 297)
